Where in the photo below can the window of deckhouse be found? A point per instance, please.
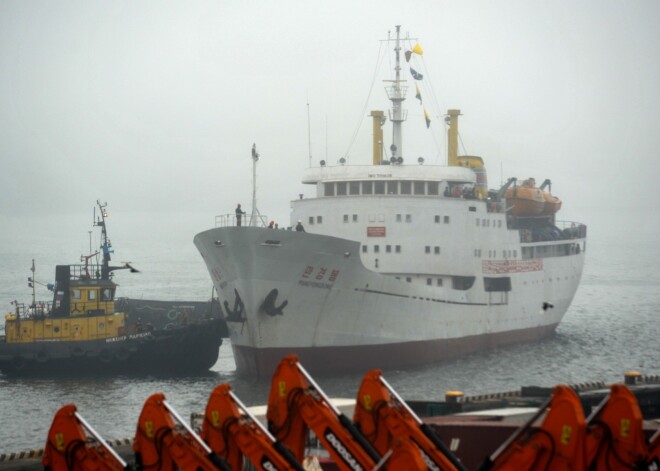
(433, 188)
(354, 188)
(341, 188)
(388, 248)
(419, 188)
(367, 188)
(408, 217)
(319, 219)
(91, 295)
(392, 188)
(398, 218)
(311, 219)
(345, 217)
(406, 188)
(329, 189)
(436, 218)
(446, 219)
(364, 249)
(355, 218)
(379, 187)
(397, 249)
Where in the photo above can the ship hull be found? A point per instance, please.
(191, 349)
(286, 292)
(261, 362)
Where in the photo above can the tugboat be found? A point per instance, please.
(81, 332)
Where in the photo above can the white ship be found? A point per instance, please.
(401, 263)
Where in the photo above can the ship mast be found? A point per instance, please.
(255, 215)
(397, 94)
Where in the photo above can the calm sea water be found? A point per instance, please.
(612, 327)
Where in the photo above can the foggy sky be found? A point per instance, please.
(156, 105)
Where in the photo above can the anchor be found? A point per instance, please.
(269, 307)
(235, 315)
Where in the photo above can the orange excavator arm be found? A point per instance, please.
(615, 434)
(297, 404)
(556, 445)
(383, 417)
(160, 445)
(68, 448)
(232, 433)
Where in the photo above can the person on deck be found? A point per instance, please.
(299, 226)
(239, 214)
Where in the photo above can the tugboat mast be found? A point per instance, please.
(105, 243)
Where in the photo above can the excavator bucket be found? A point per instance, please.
(68, 448)
(159, 444)
(556, 445)
(615, 436)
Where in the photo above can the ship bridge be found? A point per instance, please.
(355, 179)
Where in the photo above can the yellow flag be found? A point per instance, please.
(418, 49)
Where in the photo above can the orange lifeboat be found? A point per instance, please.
(526, 199)
(552, 204)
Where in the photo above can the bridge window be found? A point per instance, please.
(419, 188)
(329, 189)
(91, 295)
(392, 188)
(433, 188)
(341, 188)
(354, 188)
(367, 188)
(379, 188)
(75, 293)
(106, 294)
(406, 188)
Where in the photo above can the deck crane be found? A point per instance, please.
(383, 417)
(233, 433)
(557, 444)
(160, 445)
(68, 447)
(297, 404)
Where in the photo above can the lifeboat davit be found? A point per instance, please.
(526, 199)
(552, 204)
